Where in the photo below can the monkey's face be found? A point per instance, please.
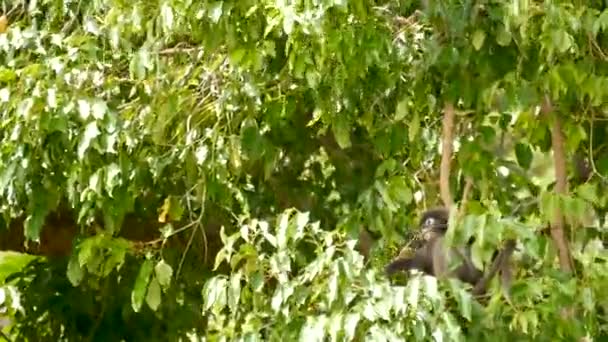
(433, 225)
(430, 234)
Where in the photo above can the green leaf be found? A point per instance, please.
(313, 329)
(214, 293)
(74, 272)
(561, 40)
(137, 67)
(99, 109)
(503, 37)
(166, 13)
(312, 77)
(333, 284)
(234, 293)
(524, 155)
(341, 131)
(237, 55)
(283, 233)
(399, 191)
(413, 289)
(588, 192)
(588, 300)
(33, 223)
(171, 209)
(117, 252)
(153, 296)
(251, 139)
(7, 172)
(163, 272)
(350, 325)
(414, 128)
(84, 109)
(215, 11)
(257, 281)
(86, 250)
(41, 203)
(401, 110)
(12, 262)
(575, 210)
(549, 203)
(430, 288)
(477, 255)
(386, 198)
(465, 303)
(335, 326)
(478, 38)
(288, 20)
(90, 132)
(301, 222)
(138, 294)
(600, 23)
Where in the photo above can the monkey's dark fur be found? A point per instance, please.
(431, 257)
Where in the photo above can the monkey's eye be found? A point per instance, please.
(429, 222)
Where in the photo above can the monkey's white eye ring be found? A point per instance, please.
(429, 222)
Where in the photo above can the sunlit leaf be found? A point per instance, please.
(478, 38)
(414, 127)
(74, 272)
(215, 10)
(503, 37)
(234, 293)
(138, 294)
(99, 109)
(153, 296)
(163, 272)
(34, 221)
(90, 132)
(413, 289)
(3, 23)
(341, 132)
(401, 111)
(350, 325)
(214, 292)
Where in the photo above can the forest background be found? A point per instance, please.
(244, 169)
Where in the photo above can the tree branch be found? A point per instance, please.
(446, 155)
(561, 186)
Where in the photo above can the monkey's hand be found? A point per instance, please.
(405, 264)
(398, 265)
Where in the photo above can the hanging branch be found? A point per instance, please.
(446, 155)
(561, 186)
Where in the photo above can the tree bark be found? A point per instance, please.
(561, 185)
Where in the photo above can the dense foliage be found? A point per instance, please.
(187, 170)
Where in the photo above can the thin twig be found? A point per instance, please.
(199, 224)
(591, 161)
(446, 155)
(468, 185)
(183, 258)
(177, 231)
(595, 45)
(176, 50)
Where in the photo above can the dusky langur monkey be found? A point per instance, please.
(432, 258)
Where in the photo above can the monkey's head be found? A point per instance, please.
(433, 223)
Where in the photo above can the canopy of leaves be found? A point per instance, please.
(202, 169)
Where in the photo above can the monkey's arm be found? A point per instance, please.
(500, 263)
(405, 264)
